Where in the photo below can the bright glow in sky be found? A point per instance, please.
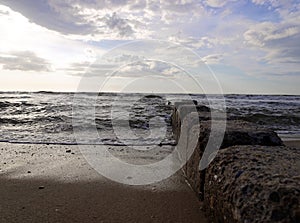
(251, 46)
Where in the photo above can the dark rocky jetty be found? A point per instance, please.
(192, 129)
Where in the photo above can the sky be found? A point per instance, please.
(198, 46)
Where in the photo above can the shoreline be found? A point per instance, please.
(288, 140)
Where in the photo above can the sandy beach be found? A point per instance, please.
(54, 183)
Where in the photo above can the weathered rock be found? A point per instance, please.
(256, 188)
(239, 133)
(236, 133)
(187, 142)
(181, 110)
(253, 184)
(175, 120)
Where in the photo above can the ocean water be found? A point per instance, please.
(115, 119)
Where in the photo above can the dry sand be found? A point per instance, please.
(44, 183)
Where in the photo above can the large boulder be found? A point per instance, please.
(253, 184)
(236, 133)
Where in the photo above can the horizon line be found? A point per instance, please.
(153, 93)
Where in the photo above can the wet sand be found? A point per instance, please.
(50, 183)
(292, 143)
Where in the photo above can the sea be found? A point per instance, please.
(118, 119)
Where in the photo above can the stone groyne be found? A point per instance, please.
(252, 178)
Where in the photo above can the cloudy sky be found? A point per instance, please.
(250, 46)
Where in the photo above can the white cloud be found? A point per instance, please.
(110, 19)
(207, 42)
(215, 3)
(3, 12)
(278, 40)
(71, 33)
(218, 3)
(24, 61)
(19, 34)
(261, 34)
(213, 59)
(272, 3)
(134, 69)
(150, 68)
(115, 23)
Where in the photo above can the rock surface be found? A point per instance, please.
(181, 110)
(254, 184)
(252, 177)
(237, 133)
